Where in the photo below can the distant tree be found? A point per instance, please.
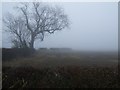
(33, 22)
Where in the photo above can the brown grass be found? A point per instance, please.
(70, 70)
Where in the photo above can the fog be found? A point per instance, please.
(93, 27)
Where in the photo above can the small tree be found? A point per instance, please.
(33, 22)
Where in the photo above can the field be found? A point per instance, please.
(62, 70)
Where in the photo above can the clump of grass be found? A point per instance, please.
(60, 77)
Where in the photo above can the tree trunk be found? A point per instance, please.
(32, 42)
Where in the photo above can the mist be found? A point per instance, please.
(79, 47)
(93, 27)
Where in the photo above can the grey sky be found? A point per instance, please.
(94, 26)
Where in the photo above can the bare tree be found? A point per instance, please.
(33, 22)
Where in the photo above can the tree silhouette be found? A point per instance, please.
(33, 22)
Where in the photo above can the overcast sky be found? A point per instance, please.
(94, 26)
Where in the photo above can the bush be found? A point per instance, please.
(11, 53)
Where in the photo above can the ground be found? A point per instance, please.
(62, 70)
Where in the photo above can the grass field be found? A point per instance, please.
(62, 70)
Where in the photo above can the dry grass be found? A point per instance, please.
(61, 77)
(46, 60)
(61, 70)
